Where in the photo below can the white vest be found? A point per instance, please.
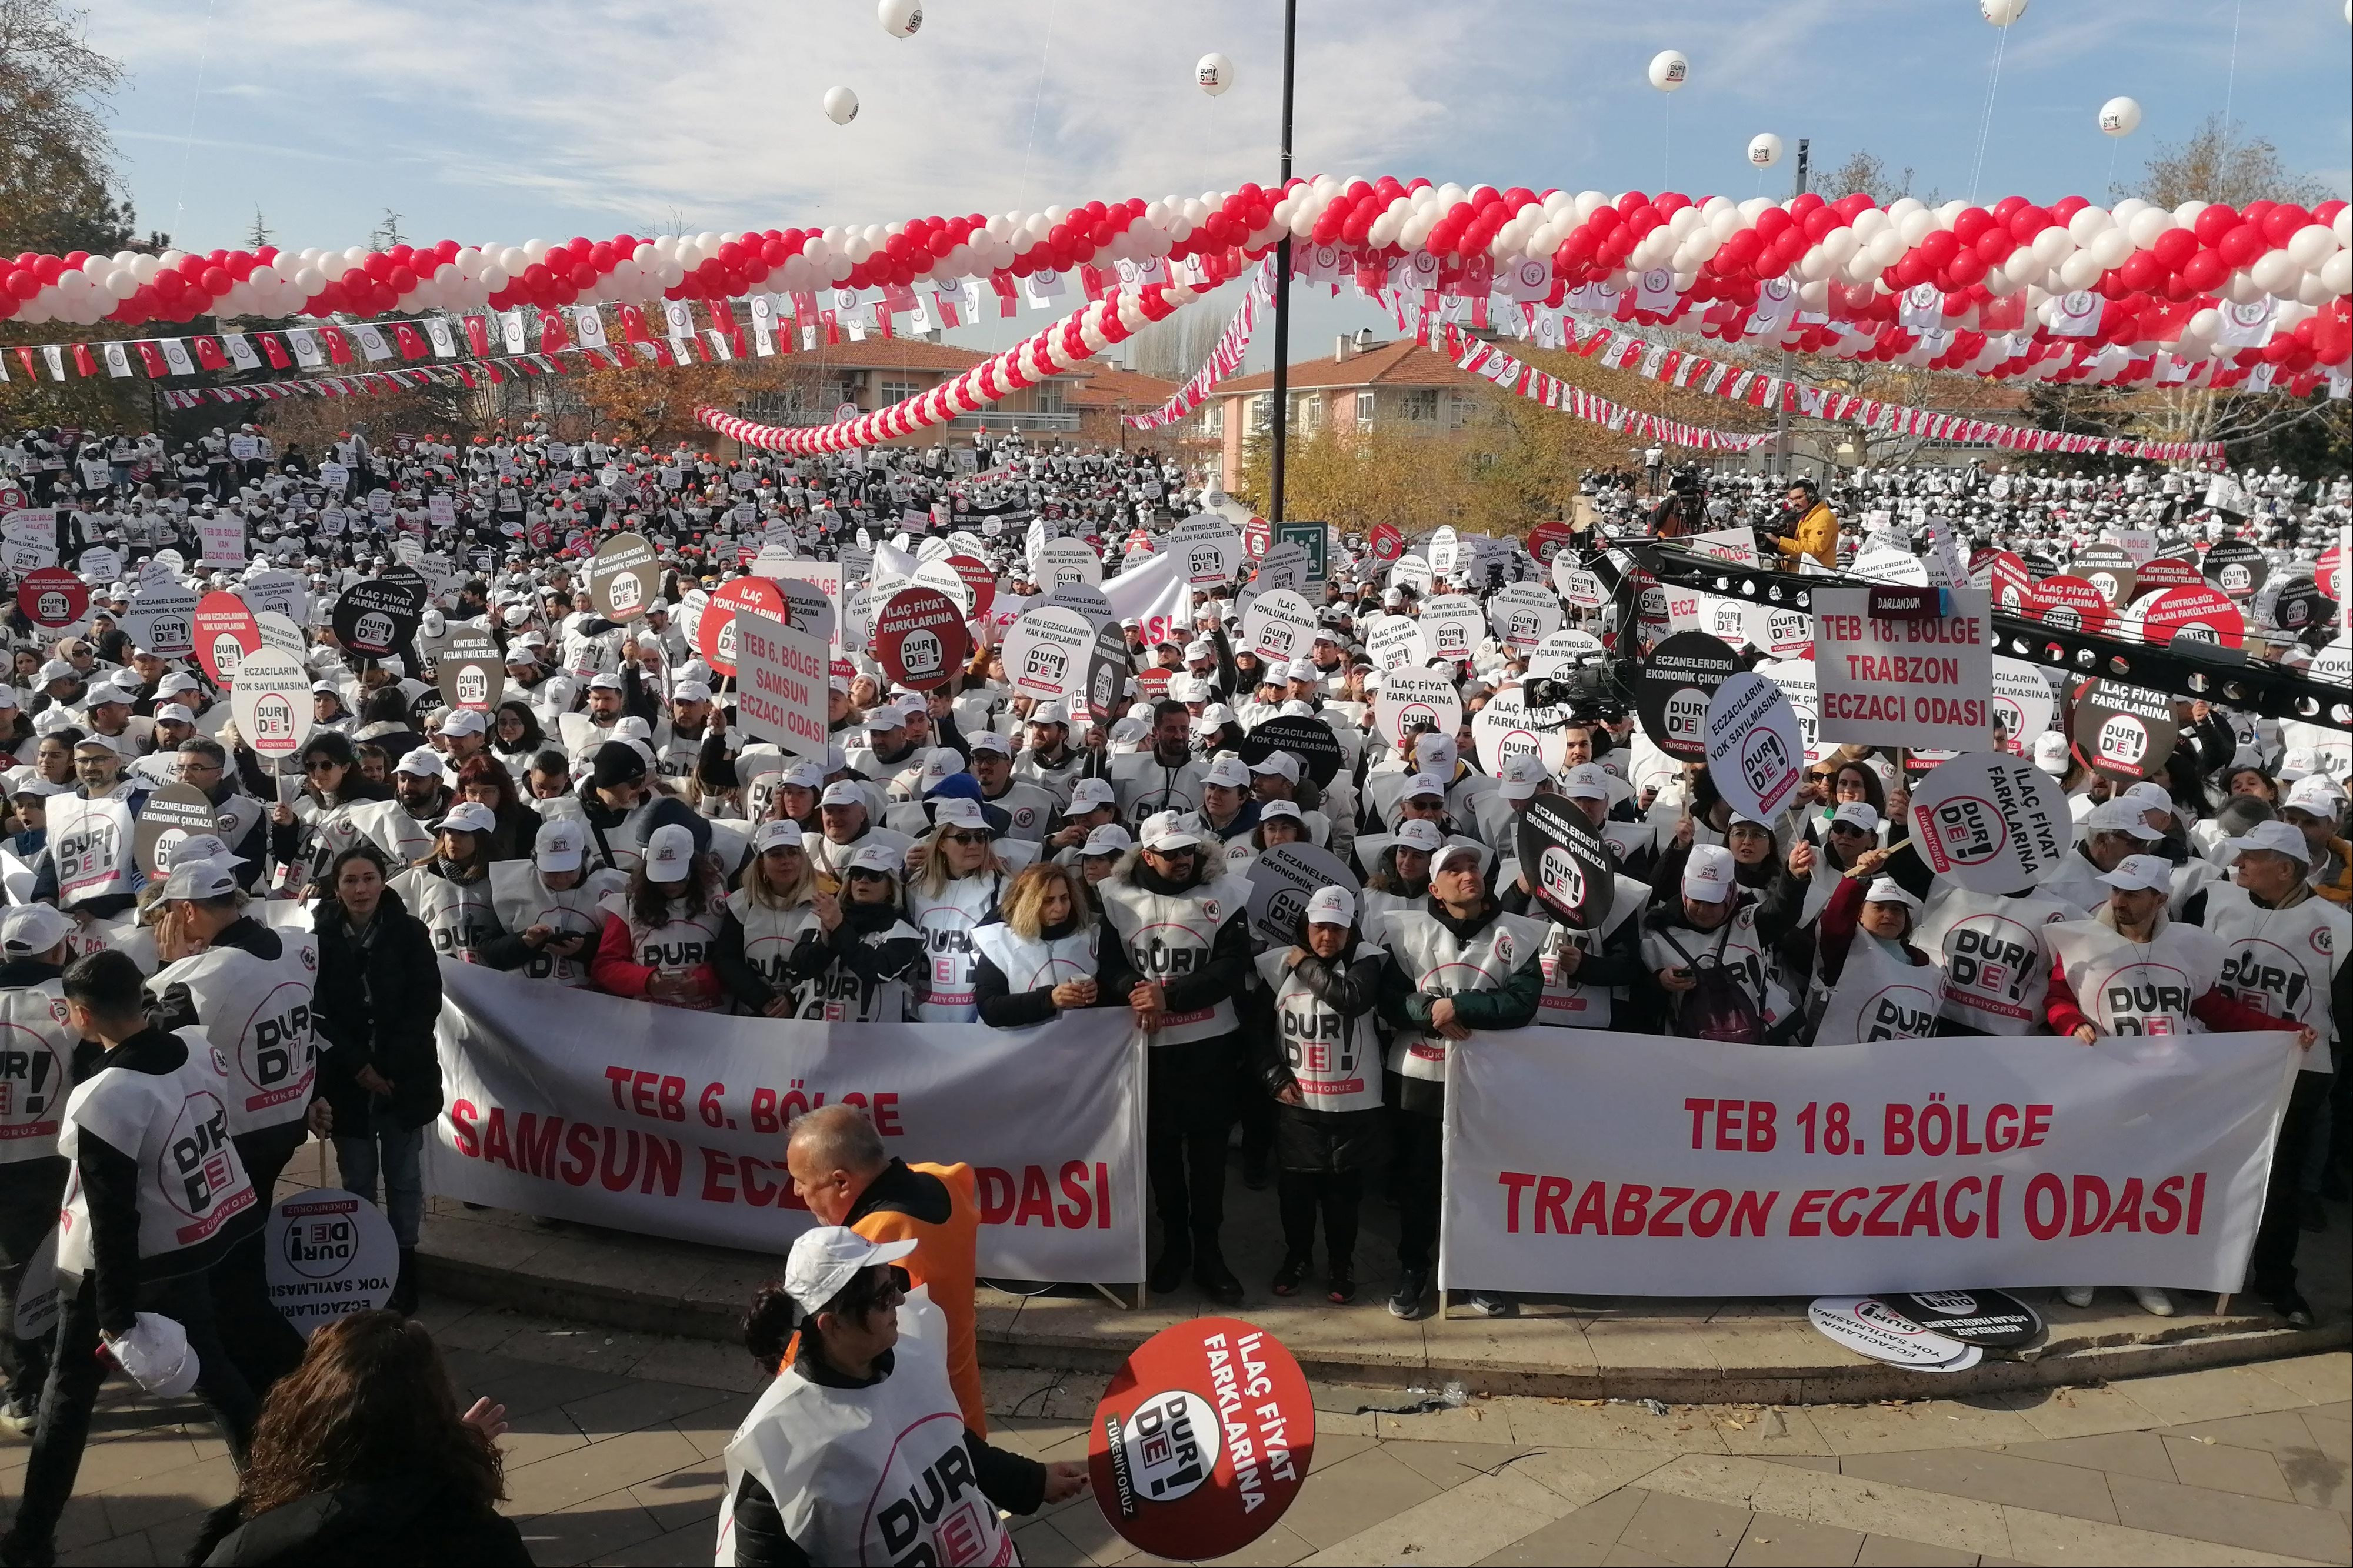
(1034, 965)
(1879, 998)
(1568, 1002)
(2137, 987)
(833, 860)
(1997, 967)
(36, 1061)
(522, 898)
(257, 1012)
(2282, 961)
(1028, 810)
(462, 916)
(1144, 786)
(1442, 965)
(876, 1475)
(1743, 952)
(176, 1126)
(1336, 1058)
(769, 937)
(677, 946)
(91, 841)
(1169, 935)
(946, 919)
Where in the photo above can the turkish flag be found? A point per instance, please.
(551, 335)
(150, 356)
(273, 351)
(209, 355)
(633, 325)
(85, 363)
(339, 347)
(411, 341)
(478, 335)
(722, 316)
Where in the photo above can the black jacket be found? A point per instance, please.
(407, 1521)
(1003, 1008)
(376, 1006)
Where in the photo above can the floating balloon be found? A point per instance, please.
(2119, 117)
(1668, 69)
(1765, 151)
(2001, 13)
(1214, 74)
(840, 105)
(900, 18)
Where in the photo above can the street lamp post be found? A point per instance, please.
(1281, 414)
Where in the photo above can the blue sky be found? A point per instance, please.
(502, 119)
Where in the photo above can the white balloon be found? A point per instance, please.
(2310, 245)
(2119, 117)
(1765, 150)
(1668, 69)
(1213, 73)
(2336, 274)
(2147, 225)
(900, 18)
(840, 105)
(2001, 13)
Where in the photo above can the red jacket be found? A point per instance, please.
(617, 972)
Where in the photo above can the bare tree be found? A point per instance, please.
(56, 159)
(387, 232)
(2219, 163)
(1867, 174)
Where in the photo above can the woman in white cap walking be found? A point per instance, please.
(859, 1452)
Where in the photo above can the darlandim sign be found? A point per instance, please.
(1899, 667)
(784, 684)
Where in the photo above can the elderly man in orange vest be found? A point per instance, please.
(842, 1173)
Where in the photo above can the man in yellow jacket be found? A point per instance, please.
(1817, 531)
(843, 1174)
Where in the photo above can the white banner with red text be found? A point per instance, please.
(577, 1105)
(1584, 1162)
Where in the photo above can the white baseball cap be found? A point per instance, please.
(423, 763)
(690, 691)
(1418, 834)
(879, 860)
(1524, 776)
(2316, 796)
(959, 810)
(941, 763)
(1332, 906)
(777, 835)
(1281, 762)
(841, 794)
(471, 817)
(670, 853)
(827, 1257)
(2280, 837)
(1228, 773)
(990, 741)
(202, 878)
(2149, 796)
(1708, 874)
(1587, 781)
(33, 928)
(1275, 808)
(464, 721)
(559, 845)
(165, 713)
(1088, 794)
(1111, 838)
(2119, 816)
(1166, 831)
(1423, 785)
(2150, 873)
(1054, 711)
(1888, 890)
(1857, 814)
(802, 775)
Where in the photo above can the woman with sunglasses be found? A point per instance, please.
(954, 894)
(309, 834)
(858, 1451)
(766, 917)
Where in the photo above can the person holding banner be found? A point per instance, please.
(660, 932)
(1318, 1044)
(1185, 935)
(955, 885)
(1457, 964)
(1042, 957)
(2107, 979)
(1711, 953)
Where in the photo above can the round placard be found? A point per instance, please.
(1282, 880)
(1310, 739)
(330, 1254)
(1565, 862)
(715, 632)
(624, 578)
(171, 814)
(1992, 822)
(272, 703)
(919, 638)
(1755, 753)
(1278, 623)
(2123, 731)
(1046, 652)
(1672, 694)
(1384, 543)
(1202, 1440)
(52, 597)
(379, 617)
(225, 633)
(1411, 700)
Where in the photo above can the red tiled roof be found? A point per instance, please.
(1109, 386)
(1401, 363)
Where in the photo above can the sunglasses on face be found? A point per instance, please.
(962, 838)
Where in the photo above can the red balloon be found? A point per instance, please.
(2216, 221)
(1938, 246)
(2242, 246)
(2027, 221)
(2204, 271)
(402, 280)
(2174, 247)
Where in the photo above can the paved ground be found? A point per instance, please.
(613, 1459)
